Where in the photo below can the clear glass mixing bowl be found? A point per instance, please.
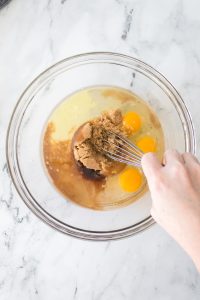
(30, 116)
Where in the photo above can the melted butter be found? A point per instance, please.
(69, 113)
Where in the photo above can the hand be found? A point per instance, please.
(175, 191)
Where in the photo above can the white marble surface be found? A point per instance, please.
(37, 262)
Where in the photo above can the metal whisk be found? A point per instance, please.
(120, 149)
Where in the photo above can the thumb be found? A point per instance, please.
(150, 164)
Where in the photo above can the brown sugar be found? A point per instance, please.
(92, 138)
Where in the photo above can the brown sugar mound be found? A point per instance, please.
(92, 137)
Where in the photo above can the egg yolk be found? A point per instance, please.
(132, 121)
(130, 180)
(147, 144)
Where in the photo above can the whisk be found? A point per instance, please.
(122, 150)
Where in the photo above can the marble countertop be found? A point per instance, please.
(37, 262)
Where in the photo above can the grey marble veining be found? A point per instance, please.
(35, 261)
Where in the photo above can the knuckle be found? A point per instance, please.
(187, 154)
(178, 169)
(146, 158)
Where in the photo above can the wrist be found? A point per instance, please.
(192, 241)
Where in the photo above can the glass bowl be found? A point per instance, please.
(31, 114)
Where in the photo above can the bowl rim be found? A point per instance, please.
(34, 206)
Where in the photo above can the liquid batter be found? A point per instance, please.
(114, 190)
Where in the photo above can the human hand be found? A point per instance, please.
(175, 191)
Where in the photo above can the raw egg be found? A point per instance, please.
(130, 180)
(147, 144)
(132, 121)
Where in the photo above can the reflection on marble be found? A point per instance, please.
(37, 262)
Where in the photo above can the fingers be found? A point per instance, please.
(193, 167)
(189, 158)
(150, 164)
(171, 156)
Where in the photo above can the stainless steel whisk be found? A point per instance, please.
(120, 149)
